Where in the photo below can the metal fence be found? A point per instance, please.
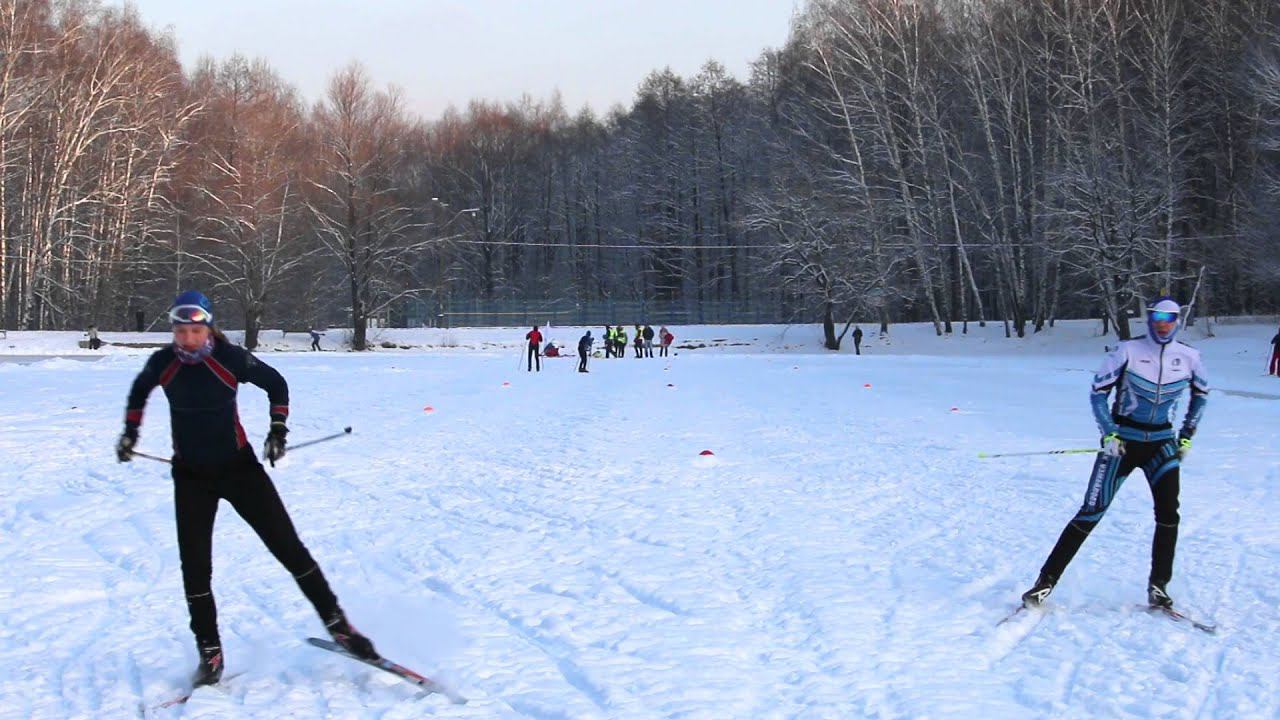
(518, 313)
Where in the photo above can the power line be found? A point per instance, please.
(653, 246)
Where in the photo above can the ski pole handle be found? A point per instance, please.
(345, 431)
(1071, 451)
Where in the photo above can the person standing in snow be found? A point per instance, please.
(1274, 367)
(534, 338)
(94, 342)
(212, 461)
(608, 341)
(857, 341)
(315, 339)
(665, 338)
(1148, 375)
(620, 341)
(584, 349)
(648, 341)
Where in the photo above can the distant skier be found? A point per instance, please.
(620, 341)
(584, 349)
(94, 342)
(857, 341)
(648, 341)
(608, 341)
(639, 342)
(534, 338)
(212, 460)
(1274, 367)
(1148, 375)
(315, 339)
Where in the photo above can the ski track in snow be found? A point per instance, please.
(556, 548)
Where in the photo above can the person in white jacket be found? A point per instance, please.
(1148, 374)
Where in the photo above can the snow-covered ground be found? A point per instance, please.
(556, 547)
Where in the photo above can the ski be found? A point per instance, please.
(1174, 615)
(186, 695)
(1023, 610)
(400, 671)
(1013, 614)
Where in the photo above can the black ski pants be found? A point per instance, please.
(1159, 462)
(582, 362)
(244, 483)
(534, 357)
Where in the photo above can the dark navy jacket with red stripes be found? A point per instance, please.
(202, 400)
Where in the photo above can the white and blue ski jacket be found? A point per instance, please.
(1149, 379)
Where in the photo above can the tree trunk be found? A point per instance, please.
(252, 326)
(829, 327)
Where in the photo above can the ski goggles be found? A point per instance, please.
(189, 314)
(1163, 317)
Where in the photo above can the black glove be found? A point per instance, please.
(273, 448)
(124, 446)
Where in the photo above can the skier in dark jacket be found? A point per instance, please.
(1274, 367)
(212, 461)
(648, 341)
(584, 349)
(1148, 375)
(857, 341)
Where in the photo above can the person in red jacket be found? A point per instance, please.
(535, 341)
(665, 338)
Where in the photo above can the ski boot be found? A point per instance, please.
(1039, 592)
(209, 670)
(1157, 598)
(349, 638)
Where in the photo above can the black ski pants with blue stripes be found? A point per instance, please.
(1159, 463)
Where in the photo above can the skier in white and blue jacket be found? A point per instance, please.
(1149, 375)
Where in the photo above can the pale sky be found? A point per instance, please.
(447, 52)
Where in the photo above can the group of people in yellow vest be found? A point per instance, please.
(616, 340)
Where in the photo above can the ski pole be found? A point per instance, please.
(1072, 451)
(345, 431)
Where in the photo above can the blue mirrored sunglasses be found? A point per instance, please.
(183, 314)
(1164, 317)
